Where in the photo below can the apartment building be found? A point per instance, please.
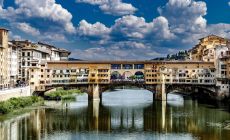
(4, 76)
(205, 49)
(14, 64)
(69, 73)
(181, 73)
(34, 57)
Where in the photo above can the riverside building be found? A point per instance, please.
(42, 66)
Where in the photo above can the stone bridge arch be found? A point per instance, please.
(192, 89)
(127, 75)
(139, 75)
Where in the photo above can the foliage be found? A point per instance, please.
(181, 55)
(64, 94)
(18, 103)
(68, 98)
(132, 77)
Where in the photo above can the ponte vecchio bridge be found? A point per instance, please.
(159, 77)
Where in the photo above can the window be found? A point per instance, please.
(138, 66)
(115, 66)
(74, 70)
(28, 53)
(23, 53)
(127, 66)
(223, 67)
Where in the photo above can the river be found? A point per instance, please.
(123, 114)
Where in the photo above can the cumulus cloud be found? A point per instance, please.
(185, 15)
(136, 27)
(53, 37)
(112, 7)
(130, 37)
(229, 3)
(97, 29)
(25, 27)
(180, 24)
(128, 27)
(186, 20)
(46, 9)
(126, 50)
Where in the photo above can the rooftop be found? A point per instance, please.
(128, 62)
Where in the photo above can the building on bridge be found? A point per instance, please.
(43, 66)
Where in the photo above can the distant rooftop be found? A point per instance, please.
(1, 28)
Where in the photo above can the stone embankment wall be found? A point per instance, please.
(15, 92)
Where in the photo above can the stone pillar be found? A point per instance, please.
(160, 90)
(94, 92)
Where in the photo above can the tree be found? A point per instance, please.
(168, 56)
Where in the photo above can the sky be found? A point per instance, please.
(116, 29)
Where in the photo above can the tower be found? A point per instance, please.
(4, 79)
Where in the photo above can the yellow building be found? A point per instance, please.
(204, 51)
(4, 77)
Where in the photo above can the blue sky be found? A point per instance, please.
(116, 29)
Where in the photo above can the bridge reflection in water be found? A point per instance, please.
(132, 115)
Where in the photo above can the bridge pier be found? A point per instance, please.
(160, 92)
(94, 92)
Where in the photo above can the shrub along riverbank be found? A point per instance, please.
(62, 94)
(19, 103)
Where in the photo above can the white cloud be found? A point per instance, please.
(185, 15)
(118, 51)
(14, 36)
(113, 7)
(229, 3)
(186, 20)
(131, 26)
(53, 37)
(220, 29)
(161, 28)
(134, 27)
(97, 29)
(47, 9)
(25, 27)
(180, 24)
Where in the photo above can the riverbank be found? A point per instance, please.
(62, 94)
(15, 93)
(19, 103)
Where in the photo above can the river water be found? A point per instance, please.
(129, 114)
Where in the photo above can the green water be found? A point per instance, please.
(122, 114)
